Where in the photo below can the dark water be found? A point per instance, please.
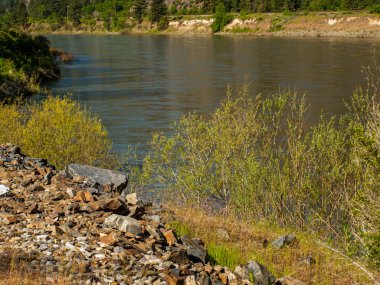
(141, 84)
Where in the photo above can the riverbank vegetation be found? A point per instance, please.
(260, 159)
(57, 129)
(25, 62)
(114, 16)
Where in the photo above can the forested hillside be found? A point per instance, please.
(114, 12)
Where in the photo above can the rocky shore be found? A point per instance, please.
(83, 225)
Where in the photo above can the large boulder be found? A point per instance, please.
(116, 180)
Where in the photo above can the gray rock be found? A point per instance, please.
(194, 249)
(103, 177)
(123, 223)
(261, 275)
(283, 241)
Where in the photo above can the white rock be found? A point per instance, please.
(3, 190)
(69, 245)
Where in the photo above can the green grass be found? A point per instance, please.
(247, 243)
(243, 30)
(224, 255)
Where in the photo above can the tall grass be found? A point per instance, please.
(260, 158)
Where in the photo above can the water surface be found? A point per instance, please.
(141, 84)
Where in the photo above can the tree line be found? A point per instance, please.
(114, 12)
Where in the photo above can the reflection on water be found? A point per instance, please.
(141, 84)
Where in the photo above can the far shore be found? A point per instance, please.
(310, 25)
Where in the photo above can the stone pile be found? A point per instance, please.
(80, 223)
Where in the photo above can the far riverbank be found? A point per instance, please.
(301, 24)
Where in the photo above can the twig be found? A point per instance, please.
(370, 275)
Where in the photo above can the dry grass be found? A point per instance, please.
(248, 239)
(16, 269)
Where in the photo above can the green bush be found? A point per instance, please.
(58, 129)
(256, 156)
(276, 25)
(222, 18)
(375, 9)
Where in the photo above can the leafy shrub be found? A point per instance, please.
(255, 156)
(163, 24)
(222, 18)
(57, 129)
(276, 25)
(10, 124)
(375, 9)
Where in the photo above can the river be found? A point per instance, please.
(141, 84)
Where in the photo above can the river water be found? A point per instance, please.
(141, 84)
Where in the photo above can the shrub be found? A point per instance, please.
(276, 25)
(375, 9)
(222, 18)
(256, 157)
(163, 24)
(58, 129)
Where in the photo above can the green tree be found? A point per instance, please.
(20, 14)
(74, 11)
(222, 18)
(139, 10)
(158, 10)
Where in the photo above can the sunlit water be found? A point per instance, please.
(142, 84)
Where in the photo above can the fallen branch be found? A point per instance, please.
(369, 274)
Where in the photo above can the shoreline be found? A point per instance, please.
(294, 25)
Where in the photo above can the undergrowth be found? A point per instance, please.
(259, 158)
(308, 260)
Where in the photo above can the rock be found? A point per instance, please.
(8, 219)
(284, 241)
(261, 275)
(309, 260)
(190, 280)
(223, 234)
(78, 224)
(169, 236)
(194, 249)
(131, 199)
(289, 281)
(15, 150)
(103, 177)
(174, 280)
(124, 224)
(4, 190)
